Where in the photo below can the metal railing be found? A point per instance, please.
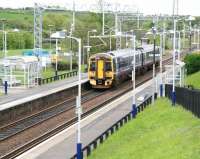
(100, 139)
(187, 97)
(56, 78)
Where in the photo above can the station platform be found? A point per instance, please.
(63, 145)
(20, 96)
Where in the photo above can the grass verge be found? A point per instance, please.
(161, 131)
(194, 79)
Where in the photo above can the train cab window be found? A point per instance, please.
(92, 66)
(108, 66)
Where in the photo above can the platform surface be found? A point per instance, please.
(63, 145)
(19, 96)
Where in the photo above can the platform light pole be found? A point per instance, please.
(134, 107)
(56, 71)
(78, 100)
(198, 39)
(179, 45)
(175, 7)
(5, 44)
(110, 40)
(190, 30)
(50, 26)
(161, 61)
(174, 60)
(154, 60)
(183, 45)
(88, 41)
(4, 37)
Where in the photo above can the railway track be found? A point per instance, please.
(41, 116)
(89, 99)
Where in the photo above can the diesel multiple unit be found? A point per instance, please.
(109, 69)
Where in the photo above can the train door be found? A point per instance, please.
(100, 64)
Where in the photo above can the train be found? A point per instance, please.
(109, 69)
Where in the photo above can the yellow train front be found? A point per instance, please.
(100, 70)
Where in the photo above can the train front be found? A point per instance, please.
(100, 71)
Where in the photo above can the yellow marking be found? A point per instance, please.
(100, 69)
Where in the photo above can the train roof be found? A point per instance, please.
(126, 52)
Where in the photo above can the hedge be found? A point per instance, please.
(192, 63)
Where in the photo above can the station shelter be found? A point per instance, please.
(19, 71)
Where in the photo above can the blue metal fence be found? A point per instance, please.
(86, 151)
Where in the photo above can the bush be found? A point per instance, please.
(63, 66)
(192, 63)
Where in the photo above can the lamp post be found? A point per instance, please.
(4, 37)
(198, 40)
(161, 62)
(154, 51)
(183, 35)
(179, 45)
(174, 60)
(56, 71)
(5, 54)
(190, 37)
(88, 41)
(110, 40)
(57, 36)
(190, 30)
(194, 41)
(134, 107)
(50, 26)
(78, 104)
(5, 44)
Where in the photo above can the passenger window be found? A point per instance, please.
(108, 66)
(92, 66)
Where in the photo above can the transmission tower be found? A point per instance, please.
(37, 29)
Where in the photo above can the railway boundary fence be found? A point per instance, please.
(86, 151)
(188, 97)
(56, 78)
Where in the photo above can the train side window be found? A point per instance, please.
(108, 66)
(114, 65)
(92, 66)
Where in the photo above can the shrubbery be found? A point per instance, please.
(192, 63)
(62, 66)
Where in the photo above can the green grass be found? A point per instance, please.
(160, 132)
(17, 52)
(194, 80)
(49, 72)
(16, 15)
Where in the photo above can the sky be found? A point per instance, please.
(186, 7)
